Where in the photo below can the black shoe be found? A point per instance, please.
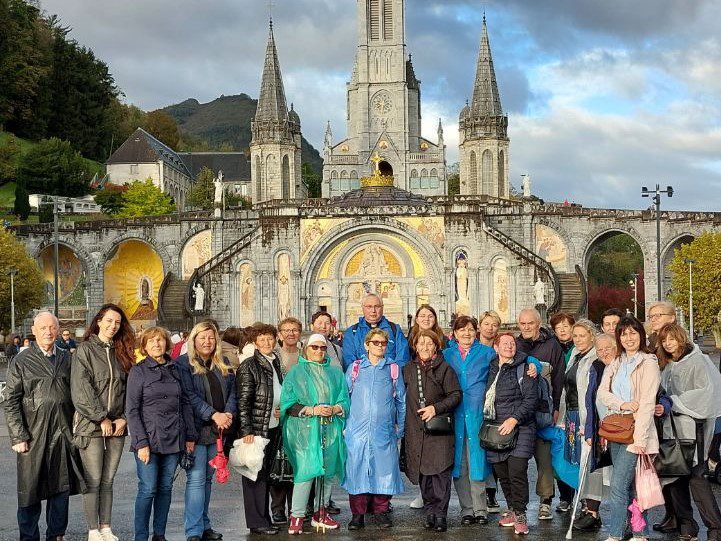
(441, 524)
(467, 520)
(430, 522)
(159, 538)
(390, 507)
(491, 500)
(384, 520)
(357, 522)
(667, 525)
(280, 518)
(266, 530)
(563, 507)
(482, 519)
(194, 538)
(332, 508)
(587, 523)
(212, 535)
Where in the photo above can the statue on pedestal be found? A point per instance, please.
(539, 290)
(199, 297)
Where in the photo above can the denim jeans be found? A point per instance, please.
(197, 491)
(56, 516)
(622, 490)
(155, 489)
(100, 462)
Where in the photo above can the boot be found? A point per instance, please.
(357, 522)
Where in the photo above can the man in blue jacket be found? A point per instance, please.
(373, 318)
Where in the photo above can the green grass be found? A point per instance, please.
(7, 195)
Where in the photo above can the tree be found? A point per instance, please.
(29, 292)
(21, 207)
(143, 198)
(9, 153)
(454, 184)
(110, 199)
(614, 260)
(312, 180)
(705, 251)
(53, 167)
(162, 126)
(202, 194)
(233, 200)
(125, 119)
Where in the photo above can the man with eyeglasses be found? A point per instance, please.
(659, 314)
(373, 318)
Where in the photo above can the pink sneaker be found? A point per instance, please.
(508, 521)
(296, 526)
(323, 520)
(521, 526)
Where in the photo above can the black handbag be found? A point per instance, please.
(492, 440)
(675, 456)
(441, 424)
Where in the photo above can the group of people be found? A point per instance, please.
(469, 409)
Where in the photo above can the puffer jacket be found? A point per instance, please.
(254, 389)
(97, 384)
(547, 349)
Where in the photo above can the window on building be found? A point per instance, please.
(134, 169)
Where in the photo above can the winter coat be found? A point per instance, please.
(547, 349)
(98, 384)
(427, 454)
(517, 400)
(39, 410)
(595, 411)
(354, 342)
(254, 389)
(197, 392)
(66, 345)
(231, 354)
(374, 427)
(158, 413)
(645, 381)
(472, 373)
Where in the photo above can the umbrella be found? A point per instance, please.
(220, 461)
(638, 523)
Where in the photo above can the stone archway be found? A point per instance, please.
(667, 256)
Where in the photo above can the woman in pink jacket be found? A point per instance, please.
(630, 384)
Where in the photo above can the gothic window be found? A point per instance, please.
(285, 177)
(414, 173)
(434, 172)
(487, 169)
(374, 17)
(354, 174)
(344, 174)
(334, 175)
(388, 19)
(258, 180)
(501, 174)
(473, 175)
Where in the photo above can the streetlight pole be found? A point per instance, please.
(56, 256)
(12, 271)
(634, 283)
(690, 263)
(656, 197)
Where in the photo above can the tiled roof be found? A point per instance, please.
(141, 147)
(235, 165)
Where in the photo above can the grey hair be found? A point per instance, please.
(663, 304)
(46, 313)
(373, 295)
(605, 338)
(533, 311)
(588, 325)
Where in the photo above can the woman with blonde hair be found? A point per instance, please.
(489, 323)
(209, 386)
(426, 319)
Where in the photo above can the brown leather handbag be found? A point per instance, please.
(618, 428)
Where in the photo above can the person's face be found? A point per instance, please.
(46, 331)
(563, 331)
(26, 342)
(582, 339)
(606, 351)
(316, 352)
(426, 320)
(155, 346)
(671, 345)
(66, 335)
(322, 325)
(376, 347)
(108, 325)
(506, 347)
(265, 343)
(630, 340)
(489, 328)
(659, 316)
(465, 335)
(290, 334)
(205, 343)
(16, 341)
(372, 310)
(529, 325)
(608, 325)
(425, 348)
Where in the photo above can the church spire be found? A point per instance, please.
(486, 98)
(271, 103)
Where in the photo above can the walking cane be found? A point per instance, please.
(583, 473)
(321, 508)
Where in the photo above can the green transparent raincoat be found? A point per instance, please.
(314, 445)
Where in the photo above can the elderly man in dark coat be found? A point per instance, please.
(39, 413)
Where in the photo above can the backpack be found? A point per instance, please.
(356, 370)
(544, 407)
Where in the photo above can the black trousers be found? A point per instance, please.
(512, 473)
(56, 516)
(436, 492)
(281, 496)
(256, 494)
(565, 492)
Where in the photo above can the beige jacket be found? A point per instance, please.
(645, 381)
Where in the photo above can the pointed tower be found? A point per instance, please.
(276, 137)
(483, 132)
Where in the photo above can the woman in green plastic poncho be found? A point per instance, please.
(313, 405)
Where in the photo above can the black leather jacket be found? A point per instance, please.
(254, 387)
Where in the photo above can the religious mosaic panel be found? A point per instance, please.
(463, 301)
(285, 295)
(550, 246)
(431, 228)
(71, 277)
(247, 294)
(313, 229)
(197, 251)
(501, 294)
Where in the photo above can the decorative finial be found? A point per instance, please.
(271, 3)
(376, 159)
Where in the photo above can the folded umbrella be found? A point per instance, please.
(220, 461)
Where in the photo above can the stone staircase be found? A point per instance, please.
(573, 293)
(171, 306)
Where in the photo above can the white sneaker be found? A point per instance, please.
(108, 535)
(417, 503)
(95, 535)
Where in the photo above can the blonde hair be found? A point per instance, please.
(491, 314)
(376, 332)
(588, 325)
(216, 361)
(152, 332)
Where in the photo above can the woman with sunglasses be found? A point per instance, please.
(375, 425)
(313, 404)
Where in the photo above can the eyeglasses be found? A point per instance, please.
(316, 348)
(656, 316)
(378, 343)
(289, 331)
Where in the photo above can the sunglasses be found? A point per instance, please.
(316, 348)
(378, 343)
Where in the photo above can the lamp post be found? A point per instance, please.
(690, 263)
(56, 256)
(12, 271)
(633, 282)
(656, 195)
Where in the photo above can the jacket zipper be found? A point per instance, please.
(112, 380)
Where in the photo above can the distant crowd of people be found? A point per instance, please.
(356, 409)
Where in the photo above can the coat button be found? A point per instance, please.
(165, 397)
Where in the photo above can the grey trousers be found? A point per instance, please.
(471, 494)
(100, 462)
(544, 483)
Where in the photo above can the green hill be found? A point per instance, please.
(225, 121)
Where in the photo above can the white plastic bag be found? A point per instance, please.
(247, 458)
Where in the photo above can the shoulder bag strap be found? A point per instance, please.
(421, 397)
